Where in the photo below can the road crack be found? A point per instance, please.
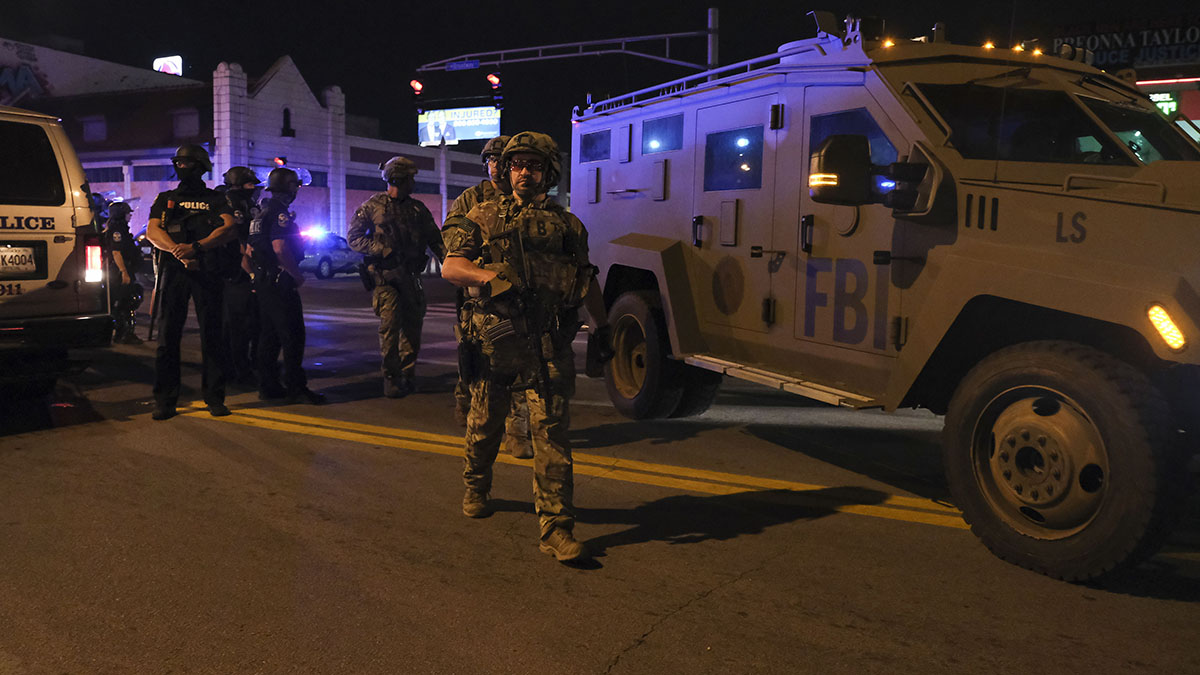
(640, 640)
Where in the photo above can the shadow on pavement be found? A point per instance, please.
(691, 519)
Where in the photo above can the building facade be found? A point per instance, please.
(126, 123)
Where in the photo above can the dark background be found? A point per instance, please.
(371, 50)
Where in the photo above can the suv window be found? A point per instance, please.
(733, 159)
(858, 122)
(1021, 125)
(29, 172)
(1147, 133)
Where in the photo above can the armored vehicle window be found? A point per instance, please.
(29, 170)
(662, 134)
(1147, 133)
(733, 159)
(595, 146)
(1021, 125)
(858, 122)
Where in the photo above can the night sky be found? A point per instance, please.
(372, 49)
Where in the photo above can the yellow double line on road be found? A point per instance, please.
(907, 509)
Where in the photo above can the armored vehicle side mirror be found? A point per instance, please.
(840, 171)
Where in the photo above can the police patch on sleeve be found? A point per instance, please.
(116, 236)
(283, 220)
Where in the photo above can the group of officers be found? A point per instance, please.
(520, 261)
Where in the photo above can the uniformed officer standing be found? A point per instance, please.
(524, 259)
(277, 249)
(241, 309)
(393, 230)
(517, 441)
(193, 226)
(124, 260)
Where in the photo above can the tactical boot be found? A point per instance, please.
(398, 387)
(475, 504)
(218, 410)
(305, 395)
(521, 448)
(163, 411)
(562, 545)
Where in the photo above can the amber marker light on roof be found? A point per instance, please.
(889, 42)
(1019, 48)
(823, 180)
(1166, 327)
(1037, 52)
(989, 45)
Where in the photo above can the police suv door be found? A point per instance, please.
(844, 300)
(732, 213)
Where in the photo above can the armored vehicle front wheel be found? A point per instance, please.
(1061, 458)
(641, 378)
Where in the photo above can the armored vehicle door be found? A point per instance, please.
(732, 212)
(843, 298)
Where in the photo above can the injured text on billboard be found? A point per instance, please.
(458, 124)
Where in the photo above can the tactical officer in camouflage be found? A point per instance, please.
(517, 441)
(524, 260)
(393, 230)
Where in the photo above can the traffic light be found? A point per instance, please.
(417, 88)
(497, 92)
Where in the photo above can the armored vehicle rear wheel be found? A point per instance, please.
(643, 383)
(1062, 459)
(699, 391)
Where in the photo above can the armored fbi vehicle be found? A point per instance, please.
(1002, 236)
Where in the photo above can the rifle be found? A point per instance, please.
(529, 322)
(159, 264)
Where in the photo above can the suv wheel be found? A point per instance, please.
(324, 269)
(640, 378)
(1063, 459)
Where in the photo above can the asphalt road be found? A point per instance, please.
(769, 535)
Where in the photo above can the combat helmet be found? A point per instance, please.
(282, 179)
(494, 147)
(238, 176)
(539, 144)
(397, 170)
(195, 153)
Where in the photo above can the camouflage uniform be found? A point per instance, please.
(516, 426)
(555, 242)
(394, 234)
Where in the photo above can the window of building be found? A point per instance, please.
(185, 123)
(153, 173)
(373, 183)
(733, 159)
(94, 128)
(31, 175)
(662, 134)
(595, 146)
(319, 179)
(287, 124)
(104, 174)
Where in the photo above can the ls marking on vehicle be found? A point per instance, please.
(1080, 232)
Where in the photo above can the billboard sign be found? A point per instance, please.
(458, 124)
(171, 65)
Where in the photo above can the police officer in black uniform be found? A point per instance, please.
(241, 310)
(193, 227)
(277, 249)
(124, 259)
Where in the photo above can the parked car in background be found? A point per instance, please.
(328, 254)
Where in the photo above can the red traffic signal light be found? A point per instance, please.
(494, 80)
(417, 87)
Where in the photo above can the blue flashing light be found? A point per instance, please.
(315, 232)
(654, 144)
(743, 142)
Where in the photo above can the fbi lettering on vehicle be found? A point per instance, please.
(843, 294)
(26, 223)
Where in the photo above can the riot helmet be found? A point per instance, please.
(397, 170)
(538, 144)
(283, 184)
(191, 162)
(494, 147)
(119, 212)
(238, 176)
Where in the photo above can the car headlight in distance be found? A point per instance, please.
(1166, 327)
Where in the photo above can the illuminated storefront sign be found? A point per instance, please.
(1139, 43)
(1168, 102)
(171, 65)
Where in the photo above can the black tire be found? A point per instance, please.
(642, 381)
(324, 268)
(1062, 459)
(700, 388)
